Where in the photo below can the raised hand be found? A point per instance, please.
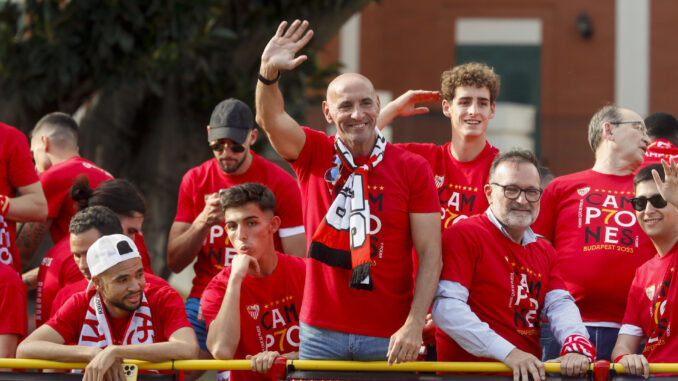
(406, 105)
(280, 51)
(242, 263)
(668, 188)
(211, 214)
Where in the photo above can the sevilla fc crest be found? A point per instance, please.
(253, 310)
(650, 292)
(440, 180)
(583, 191)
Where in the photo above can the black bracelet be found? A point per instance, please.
(267, 81)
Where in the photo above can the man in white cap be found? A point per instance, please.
(119, 317)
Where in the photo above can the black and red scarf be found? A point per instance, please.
(343, 236)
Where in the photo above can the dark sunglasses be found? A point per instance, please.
(220, 146)
(639, 203)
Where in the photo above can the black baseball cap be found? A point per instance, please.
(231, 119)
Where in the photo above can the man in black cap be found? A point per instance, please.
(198, 229)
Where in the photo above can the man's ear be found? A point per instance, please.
(446, 108)
(275, 224)
(254, 134)
(326, 112)
(607, 131)
(97, 282)
(208, 130)
(44, 140)
(488, 192)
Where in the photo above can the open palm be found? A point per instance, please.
(281, 49)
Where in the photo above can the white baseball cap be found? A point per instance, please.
(108, 251)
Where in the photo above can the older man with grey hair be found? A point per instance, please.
(499, 277)
(590, 221)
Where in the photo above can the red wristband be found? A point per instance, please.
(579, 344)
(4, 205)
(616, 359)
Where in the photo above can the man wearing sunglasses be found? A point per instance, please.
(198, 229)
(651, 300)
(367, 203)
(589, 219)
(499, 277)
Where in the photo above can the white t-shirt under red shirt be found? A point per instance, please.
(590, 221)
(402, 183)
(460, 183)
(269, 309)
(506, 281)
(640, 312)
(208, 178)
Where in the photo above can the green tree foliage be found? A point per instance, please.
(145, 75)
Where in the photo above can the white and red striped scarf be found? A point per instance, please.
(96, 331)
(343, 236)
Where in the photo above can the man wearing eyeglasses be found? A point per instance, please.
(198, 229)
(589, 219)
(499, 277)
(651, 300)
(367, 204)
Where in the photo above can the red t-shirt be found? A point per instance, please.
(590, 221)
(200, 182)
(460, 183)
(167, 314)
(12, 302)
(57, 181)
(506, 281)
(16, 170)
(269, 309)
(657, 150)
(640, 312)
(402, 183)
(58, 269)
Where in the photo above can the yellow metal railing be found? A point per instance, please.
(374, 366)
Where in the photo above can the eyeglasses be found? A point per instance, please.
(638, 125)
(221, 145)
(513, 192)
(639, 203)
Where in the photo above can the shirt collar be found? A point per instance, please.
(529, 236)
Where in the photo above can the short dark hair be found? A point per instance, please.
(662, 125)
(95, 217)
(58, 126)
(119, 195)
(645, 174)
(515, 156)
(242, 194)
